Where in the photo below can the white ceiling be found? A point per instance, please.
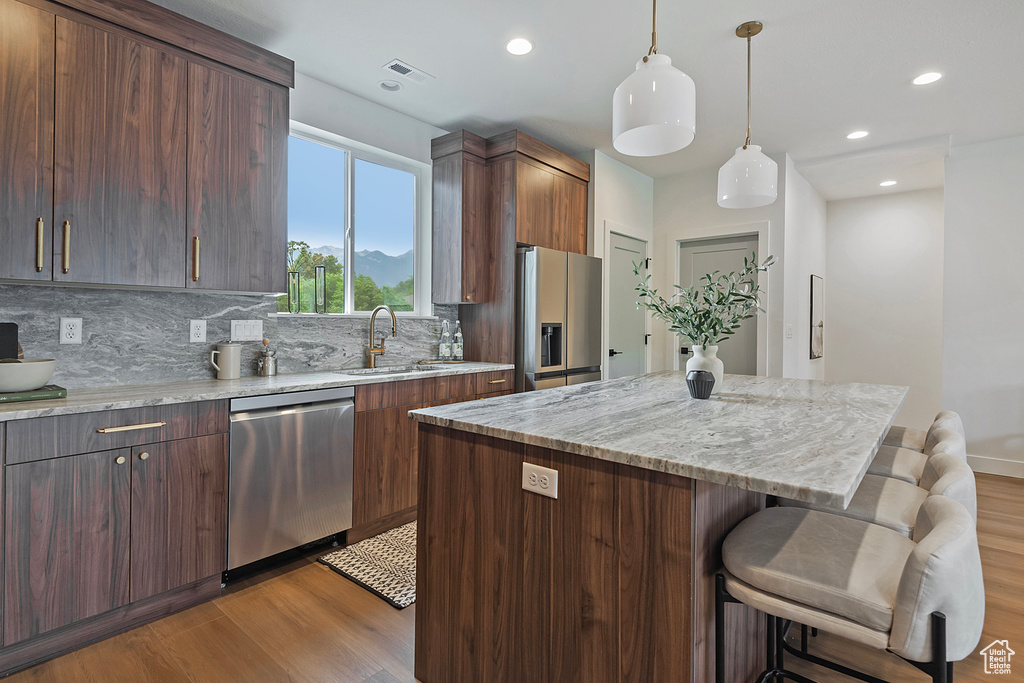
(821, 69)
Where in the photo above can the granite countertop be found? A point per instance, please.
(802, 439)
(136, 395)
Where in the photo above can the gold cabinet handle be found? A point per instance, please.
(66, 262)
(143, 455)
(497, 381)
(119, 460)
(130, 428)
(195, 259)
(40, 226)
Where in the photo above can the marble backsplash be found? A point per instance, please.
(141, 336)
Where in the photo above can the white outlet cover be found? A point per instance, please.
(70, 330)
(542, 480)
(197, 331)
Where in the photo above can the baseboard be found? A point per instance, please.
(1000, 466)
(378, 526)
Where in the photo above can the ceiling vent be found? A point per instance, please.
(408, 72)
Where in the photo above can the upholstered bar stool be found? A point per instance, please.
(894, 503)
(922, 599)
(908, 465)
(918, 439)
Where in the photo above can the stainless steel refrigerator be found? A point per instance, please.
(558, 318)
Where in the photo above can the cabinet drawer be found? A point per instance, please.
(50, 437)
(498, 380)
(391, 394)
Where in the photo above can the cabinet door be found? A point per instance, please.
(67, 541)
(26, 128)
(237, 182)
(534, 196)
(179, 513)
(119, 154)
(569, 223)
(384, 463)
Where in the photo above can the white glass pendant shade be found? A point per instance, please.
(748, 180)
(654, 111)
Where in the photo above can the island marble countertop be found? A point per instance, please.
(801, 439)
(136, 395)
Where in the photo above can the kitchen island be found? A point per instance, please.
(612, 580)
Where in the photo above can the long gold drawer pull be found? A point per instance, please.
(497, 381)
(40, 226)
(130, 428)
(195, 259)
(66, 259)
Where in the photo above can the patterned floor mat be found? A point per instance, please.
(384, 564)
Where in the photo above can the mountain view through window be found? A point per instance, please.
(382, 236)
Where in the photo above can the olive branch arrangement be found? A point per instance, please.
(711, 310)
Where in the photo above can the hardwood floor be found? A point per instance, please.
(303, 622)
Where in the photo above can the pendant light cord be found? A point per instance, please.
(654, 33)
(747, 143)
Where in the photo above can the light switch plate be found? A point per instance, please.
(246, 330)
(542, 480)
(70, 330)
(197, 331)
(789, 330)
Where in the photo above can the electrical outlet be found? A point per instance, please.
(70, 330)
(197, 331)
(246, 330)
(542, 480)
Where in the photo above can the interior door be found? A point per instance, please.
(739, 352)
(26, 154)
(627, 324)
(119, 151)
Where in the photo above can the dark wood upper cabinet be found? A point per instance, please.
(459, 199)
(237, 180)
(26, 129)
(178, 513)
(119, 151)
(67, 541)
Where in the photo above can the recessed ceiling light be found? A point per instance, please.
(857, 135)
(887, 183)
(390, 86)
(925, 79)
(519, 46)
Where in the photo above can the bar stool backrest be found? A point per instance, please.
(946, 419)
(942, 574)
(947, 475)
(944, 440)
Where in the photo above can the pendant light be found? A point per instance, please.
(750, 179)
(654, 111)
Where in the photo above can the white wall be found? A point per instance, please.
(323, 106)
(686, 208)
(983, 286)
(804, 256)
(883, 314)
(622, 201)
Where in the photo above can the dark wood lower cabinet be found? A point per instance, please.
(384, 461)
(179, 513)
(67, 541)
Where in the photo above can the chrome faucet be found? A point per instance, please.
(373, 351)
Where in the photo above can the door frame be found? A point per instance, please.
(622, 231)
(759, 229)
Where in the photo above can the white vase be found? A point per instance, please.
(707, 359)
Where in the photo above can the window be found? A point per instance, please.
(356, 214)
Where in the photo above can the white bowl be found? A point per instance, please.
(25, 375)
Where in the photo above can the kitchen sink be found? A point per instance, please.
(391, 370)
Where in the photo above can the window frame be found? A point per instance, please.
(353, 150)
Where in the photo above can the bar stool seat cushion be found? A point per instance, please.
(892, 503)
(899, 463)
(829, 563)
(906, 437)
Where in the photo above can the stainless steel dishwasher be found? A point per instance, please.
(290, 474)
